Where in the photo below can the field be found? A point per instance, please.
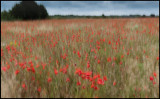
(91, 58)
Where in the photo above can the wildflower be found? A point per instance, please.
(55, 72)
(144, 51)
(33, 78)
(23, 86)
(104, 40)
(88, 64)
(98, 61)
(92, 85)
(79, 54)
(39, 89)
(28, 69)
(122, 56)
(114, 58)
(78, 71)
(96, 88)
(151, 78)
(37, 66)
(113, 64)
(67, 80)
(109, 59)
(100, 82)
(114, 83)
(43, 65)
(33, 70)
(84, 87)
(16, 72)
(109, 42)
(87, 74)
(95, 57)
(120, 63)
(105, 78)
(154, 74)
(8, 66)
(49, 79)
(154, 82)
(157, 58)
(78, 83)
(4, 69)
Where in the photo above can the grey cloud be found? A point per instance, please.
(95, 7)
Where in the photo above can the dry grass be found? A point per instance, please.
(35, 41)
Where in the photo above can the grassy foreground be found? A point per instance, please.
(80, 58)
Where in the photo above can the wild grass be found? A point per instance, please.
(37, 49)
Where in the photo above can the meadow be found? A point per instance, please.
(80, 58)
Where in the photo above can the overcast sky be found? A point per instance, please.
(94, 7)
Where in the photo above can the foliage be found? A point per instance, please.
(152, 15)
(6, 16)
(29, 10)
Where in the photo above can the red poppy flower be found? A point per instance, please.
(33, 70)
(96, 88)
(154, 82)
(114, 58)
(33, 78)
(16, 72)
(100, 82)
(49, 79)
(4, 69)
(78, 83)
(92, 85)
(55, 72)
(109, 42)
(122, 56)
(95, 57)
(39, 89)
(79, 54)
(109, 59)
(154, 74)
(120, 63)
(67, 80)
(84, 87)
(28, 69)
(78, 71)
(151, 78)
(114, 83)
(88, 64)
(105, 78)
(157, 58)
(23, 86)
(98, 61)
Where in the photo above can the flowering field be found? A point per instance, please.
(91, 58)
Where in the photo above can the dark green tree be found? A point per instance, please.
(43, 12)
(29, 10)
(152, 15)
(103, 16)
(6, 15)
(143, 15)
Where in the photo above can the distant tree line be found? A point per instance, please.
(25, 10)
(102, 16)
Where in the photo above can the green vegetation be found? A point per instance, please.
(25, 10)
